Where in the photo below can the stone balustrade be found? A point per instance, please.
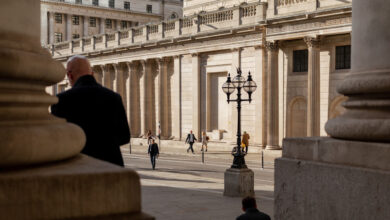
(230, 18)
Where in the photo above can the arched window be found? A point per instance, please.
(174, 16)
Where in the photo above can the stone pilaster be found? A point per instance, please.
(102, 25)
(51, 27)
(313, 86)
(68, 27)
(272, 96)
(159, 87)
(258, 95)
(85, 25)
(143, 92)
(133, 98)
(196, 116)
(176, 98)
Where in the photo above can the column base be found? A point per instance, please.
(239, 182)
(78, 188)
(272, 147)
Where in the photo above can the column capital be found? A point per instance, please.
(195, 54)
(272, 45)
(176, 56)
(312, 41)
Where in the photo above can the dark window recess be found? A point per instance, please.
(79, 1)
(149, 8)
(343, 57)
(111, 3)
(300, 60)
(75, 36)
(108, 23)
(58, 18)
(123, 24)
(92, 22)
(75, 20)
(57, 37)
(127, 5)
(95, 2)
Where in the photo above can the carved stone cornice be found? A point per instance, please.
(272, 46)
(312, 41)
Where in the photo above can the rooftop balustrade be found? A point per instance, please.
(225, 19)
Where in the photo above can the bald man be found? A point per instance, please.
(97, 110)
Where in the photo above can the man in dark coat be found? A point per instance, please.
(251, 212)
(191, 140)
(153, 152)
(97, 110)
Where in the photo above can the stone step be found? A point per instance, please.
(78, 188)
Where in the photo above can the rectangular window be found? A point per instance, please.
(58, 18)
(149, 8)
(75, 36)
(92, 22)
(111, 3)
(300, 60)
(57, 37)
(108, 23)
(127, 5)
(343, 57)
(123, 24)
(75, 20)
(95, 2)
(79, 1)
(61, 0)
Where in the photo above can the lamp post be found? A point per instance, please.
(229, 87)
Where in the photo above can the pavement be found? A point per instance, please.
(182, 187)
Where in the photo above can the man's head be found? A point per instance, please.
(76, 67)
(191, 132)
(153, 141)
(248, 202)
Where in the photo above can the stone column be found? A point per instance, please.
(313, 86)
(143, 93)
(272, 97)
(264, 99)
(28, 133)
(159, 88)
(176, 98)
(117, 25)
(85, 26)
(119, 84)
(51, 27)
(258, 95)
(133, 97)
(68, 27)
(196, 95)
(165, 97)
(102, 25)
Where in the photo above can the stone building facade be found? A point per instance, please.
(64, 20)
(170, 73)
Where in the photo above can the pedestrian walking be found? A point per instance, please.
(205, 140)
(149, 136)
(153, 152)
(245, 141)
(190, 140)
(249, 206)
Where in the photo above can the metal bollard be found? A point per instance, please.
(202, 156)
(262, 159)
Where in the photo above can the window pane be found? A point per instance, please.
(79, 2)
(127, 5)
(92, 22)
(149, 8)
(300, 60)
(111, 4)
(95, 2)
(123, 24)
(108, 23)
(58, 18)
(75, 36)
(343, 57)
(75, 20)
(57, 37)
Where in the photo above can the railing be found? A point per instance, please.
(110, 37)
(289, 2)
(224, 19)
(169, 26)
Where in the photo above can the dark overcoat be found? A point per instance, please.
(100, 113)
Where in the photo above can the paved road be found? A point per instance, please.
(182, 187)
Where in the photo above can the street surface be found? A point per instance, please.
(182, 187)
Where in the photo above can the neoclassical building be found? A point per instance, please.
(65, 20)
(171, 73)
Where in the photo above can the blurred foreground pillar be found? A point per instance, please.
(347, 177)
(42, 174)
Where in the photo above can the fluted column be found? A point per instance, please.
(368, 85)
(272, 97)
(176, 98)
(196, 117)
(313, 87)
(133, 98)
(28, 133)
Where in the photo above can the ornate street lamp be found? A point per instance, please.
(229, 87)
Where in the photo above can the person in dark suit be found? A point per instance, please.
(191, 140)
(97, 110)
(251, 212)
(153, 152)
